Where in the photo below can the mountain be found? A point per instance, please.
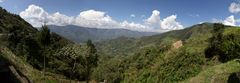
(82, 34)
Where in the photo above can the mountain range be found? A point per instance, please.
(82, 34)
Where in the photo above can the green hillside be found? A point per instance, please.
(124, 46)
(217, 74)
(154, 59)
(27, 70)
(21, 48)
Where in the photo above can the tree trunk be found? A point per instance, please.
(74, 64)
(44, 65)
(88, 72)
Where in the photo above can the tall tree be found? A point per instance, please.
(71, 55)
(44, 36)
(44, 40)
(80, 60)
(91, 59)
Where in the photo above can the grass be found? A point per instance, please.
(231, 30)
(27, 70)
(216, 74)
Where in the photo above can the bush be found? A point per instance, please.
(226, 46)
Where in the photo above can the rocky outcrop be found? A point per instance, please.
(177, 44)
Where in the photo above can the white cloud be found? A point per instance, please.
(134, 26)
(234, 7)
(170, 23)
(230, 21)
(96, 19)
(36, 16)
(154, 19)
(59, 19)
(132, 15)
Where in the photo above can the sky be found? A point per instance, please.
(139, 15)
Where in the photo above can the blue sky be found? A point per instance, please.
(187, 12)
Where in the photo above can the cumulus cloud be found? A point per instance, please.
(96, 19)
(59, 19)
(37, 16)
(230, 21)
(134, 26)
(171, 23)
(154, 19)
(168, 23)
(234, 7)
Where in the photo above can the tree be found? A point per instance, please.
(79, 60)
(215, 41)
(44, 40)
(225, 46)
(91, 59)
(71, 56)
(44, 36)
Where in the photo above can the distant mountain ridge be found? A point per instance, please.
(82, 34)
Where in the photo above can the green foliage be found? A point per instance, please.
(128, 46)
(91, 56)
(217, 73)
(75, 61)
(111, 70)
(152, 59)
(183, 66)
(215, 41)
(44, 36)
(226, 46)
(67, 61)
(31, 50)
(23, 40)
(90, 59)
(172, 69)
